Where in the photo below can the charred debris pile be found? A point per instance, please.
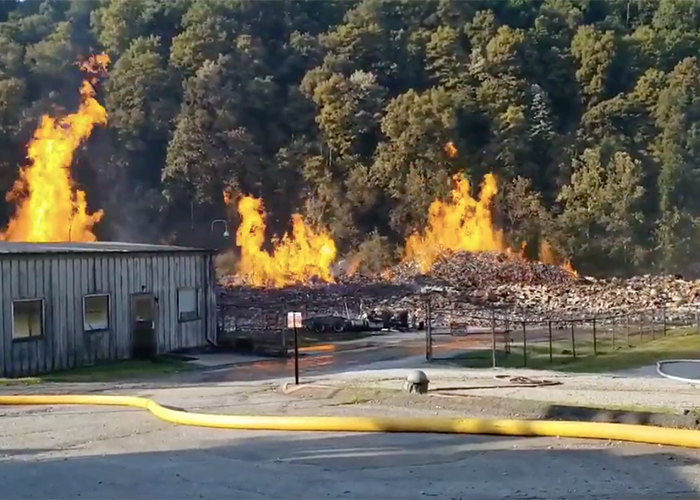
(475, 283)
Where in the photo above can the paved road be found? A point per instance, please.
(351, 356)
(75, 452)
(82, 452)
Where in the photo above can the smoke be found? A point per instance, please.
(133, 214)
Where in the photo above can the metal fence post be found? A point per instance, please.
(627, 328)
(549, 328)
(285, 346)
(653, 320)
(524, 344)
(508, 336)
(493, 337)
(219, 320)
(595, 338)
(428, 330)
(612, 333)
(663, 319)
(573, 340)
(641, 328)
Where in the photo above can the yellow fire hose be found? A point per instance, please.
(588, 430)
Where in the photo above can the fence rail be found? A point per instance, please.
(512, 337)
(453, 326)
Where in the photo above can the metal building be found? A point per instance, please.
(75, 304)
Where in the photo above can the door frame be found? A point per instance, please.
(132, 316)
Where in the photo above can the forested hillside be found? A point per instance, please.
(357, 114)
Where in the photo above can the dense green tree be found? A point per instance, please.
(357, 113)
(602, 219)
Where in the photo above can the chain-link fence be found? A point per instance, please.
(249, 323)
(511, 336)
(249, 328)
(485, 335)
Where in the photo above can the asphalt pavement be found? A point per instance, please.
(348, 356)
(336, 357)
(101, 453)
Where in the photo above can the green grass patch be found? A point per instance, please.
(107, 372)
(679, 343)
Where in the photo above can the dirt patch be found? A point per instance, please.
(309, 391)
(456, 405)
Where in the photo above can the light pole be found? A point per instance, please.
(225, 223)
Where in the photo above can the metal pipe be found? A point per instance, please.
(225, 223)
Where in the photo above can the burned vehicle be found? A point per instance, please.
(374, 320)
(328, 323)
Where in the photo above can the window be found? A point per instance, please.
(27, 319)
(95, 313)
(188, 304)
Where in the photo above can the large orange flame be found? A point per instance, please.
(465, 224)
(296, 258)
(49, 208)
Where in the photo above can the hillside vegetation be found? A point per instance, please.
(358, 113)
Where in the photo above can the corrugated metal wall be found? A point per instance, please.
(63, 280)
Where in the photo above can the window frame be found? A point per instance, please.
(196, 314)
(30, 338)
(109, 312)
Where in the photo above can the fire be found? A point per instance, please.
(49, 208)
(465, 224)
(296, 258)
(547, 256)
(451, 149)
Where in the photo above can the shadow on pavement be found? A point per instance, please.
(15, 452)
(585, 414)
(201, 463)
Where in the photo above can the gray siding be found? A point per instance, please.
(63, 280)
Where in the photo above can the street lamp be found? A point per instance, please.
(226, 233)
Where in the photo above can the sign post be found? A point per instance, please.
(294, 322)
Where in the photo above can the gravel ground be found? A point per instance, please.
(114, 452)
(76, 452)
(633, 389)
(606, 391)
